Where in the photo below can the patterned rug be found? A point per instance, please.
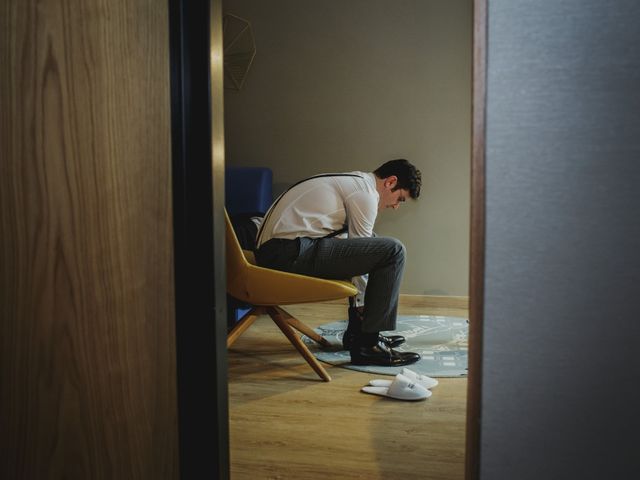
(441, 341)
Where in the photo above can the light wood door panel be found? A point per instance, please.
(87, 343)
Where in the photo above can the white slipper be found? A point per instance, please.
(402, 388)
(426, 382)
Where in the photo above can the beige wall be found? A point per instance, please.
(341, 85)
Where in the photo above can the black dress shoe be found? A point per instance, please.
(354, 330)
(390, 341)
(382, 355)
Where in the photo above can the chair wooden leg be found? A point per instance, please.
(303, 327)
(283, 324)
(245, 322)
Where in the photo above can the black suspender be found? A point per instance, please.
(268, 214)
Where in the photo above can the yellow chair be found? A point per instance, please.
(267, 289)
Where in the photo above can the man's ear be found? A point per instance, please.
(391, 182)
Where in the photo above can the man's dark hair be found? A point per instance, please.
(409, 177)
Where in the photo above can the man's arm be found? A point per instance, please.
(362, 209)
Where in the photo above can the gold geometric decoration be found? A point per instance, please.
(239, 50)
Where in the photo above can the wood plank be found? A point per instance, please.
(286, 424)
(87, 344)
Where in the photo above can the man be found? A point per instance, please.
(303, 232)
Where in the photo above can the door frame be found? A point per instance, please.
(198, 183)
(197, 136)
(477, 240)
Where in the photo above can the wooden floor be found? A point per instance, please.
(285, 423)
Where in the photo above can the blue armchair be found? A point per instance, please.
(248, 190)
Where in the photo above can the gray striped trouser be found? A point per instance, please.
(382, 258)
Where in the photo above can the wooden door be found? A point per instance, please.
(87, 342)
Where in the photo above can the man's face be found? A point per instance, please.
(390, 198)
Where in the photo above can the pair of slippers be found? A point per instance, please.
(407, 385)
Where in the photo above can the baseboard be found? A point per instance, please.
(441, 301)
(426, 301)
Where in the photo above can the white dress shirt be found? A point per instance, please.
(324, 204)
